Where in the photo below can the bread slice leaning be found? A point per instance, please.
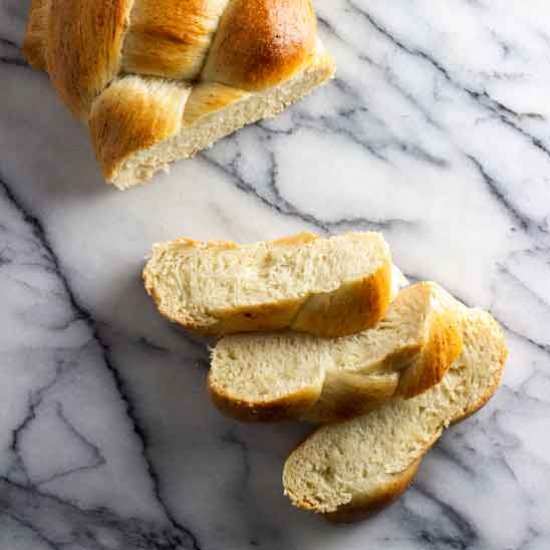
(324, 286)
(349, 470)
(278, 376)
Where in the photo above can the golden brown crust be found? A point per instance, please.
(171, 38)
(260, 43)
(443, 347)
(84, 48)
(350, 308)
(285, 408)
(132, 115)
(303, 237)
(35, 42)
(366, 505)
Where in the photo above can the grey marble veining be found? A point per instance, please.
(436, 131)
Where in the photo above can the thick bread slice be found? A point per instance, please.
(351, 469)
(270, 377)
(327, 286)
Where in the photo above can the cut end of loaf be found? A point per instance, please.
(291, 405)
(197, 131)
(358, 465)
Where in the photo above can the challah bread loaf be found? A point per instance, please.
(354, 468)
(266, 377)
(324, 286)
(158, 80)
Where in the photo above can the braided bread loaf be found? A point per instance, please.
(158, 80)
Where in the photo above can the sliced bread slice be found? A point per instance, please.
(324, 286)
(351, 469)
(266, 377)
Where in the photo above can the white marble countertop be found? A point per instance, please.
(436, 131)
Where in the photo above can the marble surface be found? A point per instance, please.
(436, 131)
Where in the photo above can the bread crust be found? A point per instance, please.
(350, 308)
(84, 48)
(366, 505)
(132, 114)
(275, 410)
(443, 347)
(171, 38)
(36, 35)
(261, 42)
